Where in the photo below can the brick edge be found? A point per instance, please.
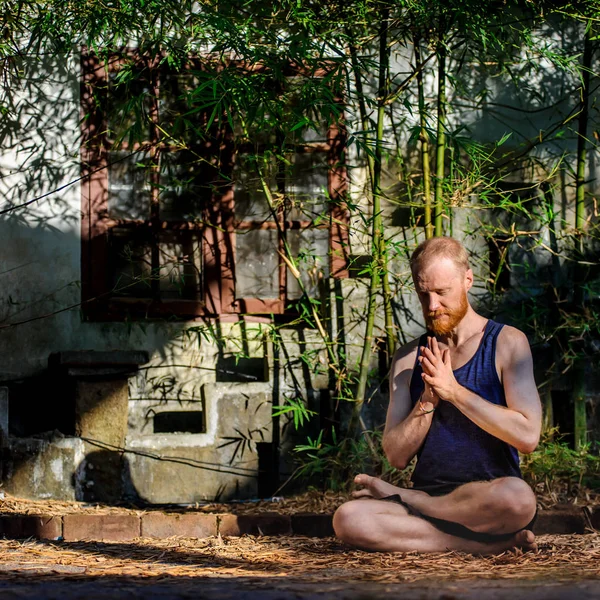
(318, 525)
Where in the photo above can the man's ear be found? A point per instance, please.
(469, 279)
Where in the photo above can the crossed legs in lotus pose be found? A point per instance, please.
(493, 507)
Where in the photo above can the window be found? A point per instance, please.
(175, 221)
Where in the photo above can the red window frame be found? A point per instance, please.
(218, 231)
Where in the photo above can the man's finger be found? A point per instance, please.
(428, 366)
(427, 378)
(427, 353)
(446, 357)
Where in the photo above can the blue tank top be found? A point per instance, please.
(456, 451)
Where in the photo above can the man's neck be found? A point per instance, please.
(471, 324)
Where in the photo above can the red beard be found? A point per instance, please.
(449, 318)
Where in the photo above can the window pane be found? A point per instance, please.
(309, 110)
(306, 186)
(128, 185)
(131, 260)
(180, 96)
(128, 108)
(180, 261)
(310, 247)
(185, 186)
(250, 201)
(173, 102)
(311, 133)
(257, 264)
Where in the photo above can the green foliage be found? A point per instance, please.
(555, 469)
(296, 409)
(333, 464)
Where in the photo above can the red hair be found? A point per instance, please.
(439, 247)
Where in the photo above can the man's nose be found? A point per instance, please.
(434, 302)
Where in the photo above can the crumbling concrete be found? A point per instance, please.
(43, 468)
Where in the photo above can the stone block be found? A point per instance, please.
(40, 527)
(110, 528)
(101, 415)
(162, 525)
(237, 417)
(560, 521)
(42, 469)
(262, 524)
(178, 475)
(101, 411)
(312, 525)
(241, 407)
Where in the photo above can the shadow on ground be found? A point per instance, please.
(269, 588)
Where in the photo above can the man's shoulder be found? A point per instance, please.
(512, 342)
(406, 355)
(511, 335)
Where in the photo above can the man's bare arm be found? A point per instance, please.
(405, 426)
(519, 422)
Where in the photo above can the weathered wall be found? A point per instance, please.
(187, 370)
(40, 315)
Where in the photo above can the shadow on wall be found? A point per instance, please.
(40, 273)
(40, 258)
(105, 477)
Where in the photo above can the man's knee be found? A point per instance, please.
(346, 519)
(354, 523)
(515, 500)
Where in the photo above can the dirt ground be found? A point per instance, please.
(314, 502)
(291, 567)
(281, 568)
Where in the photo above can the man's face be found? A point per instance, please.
(442, 289)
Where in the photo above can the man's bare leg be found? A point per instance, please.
(496, 507)
(387, 527)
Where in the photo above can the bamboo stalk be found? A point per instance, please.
(579, 408)
(424, 138)
(377, 228)
(441, 139)
(582, 136)
(375, 179)
(580, 413)
(548, 419)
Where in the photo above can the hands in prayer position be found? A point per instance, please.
(440, 383)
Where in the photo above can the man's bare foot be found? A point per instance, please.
(525, 541)
(522, 541)
(373, 487)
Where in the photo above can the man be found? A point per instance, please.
(464, 400)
